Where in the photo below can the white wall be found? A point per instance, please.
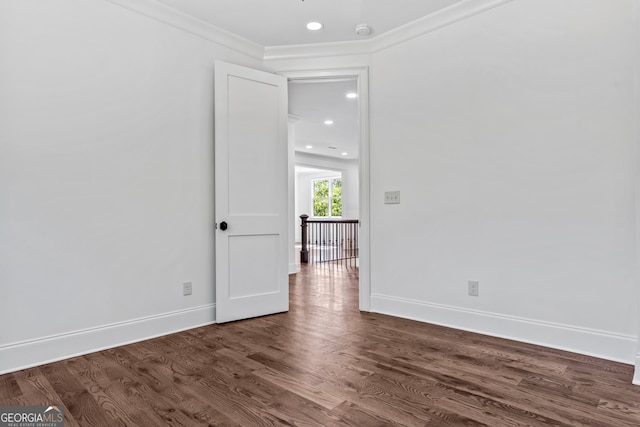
(510, 136)
(106, 185)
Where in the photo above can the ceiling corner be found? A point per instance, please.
(442, 18)
(190, 24)
(163, 13)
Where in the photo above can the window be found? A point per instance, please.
(327, 197)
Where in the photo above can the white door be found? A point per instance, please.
(250, 193)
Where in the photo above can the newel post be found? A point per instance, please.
(304, 252)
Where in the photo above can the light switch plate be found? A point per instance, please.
(392, 197)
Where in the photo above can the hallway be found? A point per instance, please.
(331, 287)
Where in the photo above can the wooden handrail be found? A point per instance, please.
(331, 221)
(349, 237)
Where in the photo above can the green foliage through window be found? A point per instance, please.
(327, 197)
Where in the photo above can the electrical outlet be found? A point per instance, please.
(392, 197)
(474, 288)
(186, 288)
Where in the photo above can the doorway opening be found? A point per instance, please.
(329, 141)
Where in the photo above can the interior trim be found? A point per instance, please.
(591, 342)
(27, 354)
(441, 18)
(362, 75)
(447, 16)
(636, 113)
(177, 19)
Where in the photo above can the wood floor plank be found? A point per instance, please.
(76, 398)
(309, 392)
(9, 387)
(111, 395)
(353, 414)
(491, 413)
(144, 391)
(33, 382)
(377, 399)
(326, 363)
(108, 372)
(620, 410)
(295, 410)
(301, 370)
(194, 390)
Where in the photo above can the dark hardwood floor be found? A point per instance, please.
(325, 363)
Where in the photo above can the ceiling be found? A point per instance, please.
(283, 22)
(314, 103)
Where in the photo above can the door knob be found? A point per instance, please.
(223, 225)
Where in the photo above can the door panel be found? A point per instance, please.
(251, 193)
(255, 149)
(263, 251)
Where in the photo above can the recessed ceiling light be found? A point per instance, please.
(308, 146)
(328, 122)
(352, 95)
(345, 154)
(314, 26)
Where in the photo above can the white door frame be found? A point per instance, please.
(362, 76)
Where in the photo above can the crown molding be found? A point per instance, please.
(447, 16)
(317, 50)
(170, 16)
(173, 17)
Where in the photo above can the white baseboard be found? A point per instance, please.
(17, 356)
(636, 373)
(293, 268)
(601, 344)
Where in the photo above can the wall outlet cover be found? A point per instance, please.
(392, 197)
(187, 288)
(474, 288)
